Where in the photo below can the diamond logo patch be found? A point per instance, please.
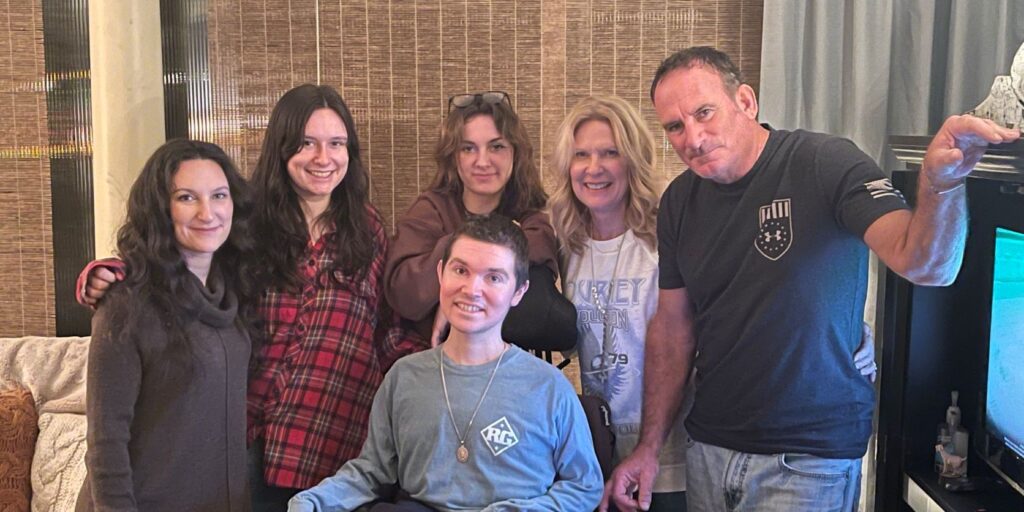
(499, 436)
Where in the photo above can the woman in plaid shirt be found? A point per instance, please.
(330, 335)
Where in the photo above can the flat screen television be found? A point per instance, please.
(1002, 445)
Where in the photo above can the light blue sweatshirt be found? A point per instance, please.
(529, 446)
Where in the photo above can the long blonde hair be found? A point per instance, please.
(570, 217)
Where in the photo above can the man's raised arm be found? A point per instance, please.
(926, 246)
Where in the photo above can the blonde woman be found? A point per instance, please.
(603, 210)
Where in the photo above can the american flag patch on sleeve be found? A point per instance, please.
(882, 188)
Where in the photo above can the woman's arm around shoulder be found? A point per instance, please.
(410, 274)
(541, 239)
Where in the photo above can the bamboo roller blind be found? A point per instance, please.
(395, 63)
(26, 245)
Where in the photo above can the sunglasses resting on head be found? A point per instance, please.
(472, 98)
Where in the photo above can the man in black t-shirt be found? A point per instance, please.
(763, 264)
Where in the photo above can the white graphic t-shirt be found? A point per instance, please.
(625, 297)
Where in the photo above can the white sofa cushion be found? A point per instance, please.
(58, 467)
(53, 369)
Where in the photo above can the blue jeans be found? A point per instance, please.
(723, 480)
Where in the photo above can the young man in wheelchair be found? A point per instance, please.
(475, 423)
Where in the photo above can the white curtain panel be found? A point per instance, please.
(867, 69)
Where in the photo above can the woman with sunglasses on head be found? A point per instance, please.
(330, 334)
(484, 165)
(171, 345)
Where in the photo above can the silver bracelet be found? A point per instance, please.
(959, 185)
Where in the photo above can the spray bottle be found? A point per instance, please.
(953, 446)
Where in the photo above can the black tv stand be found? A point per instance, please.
(991, 493)
(933, 342)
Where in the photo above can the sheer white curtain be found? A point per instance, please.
(867, 69)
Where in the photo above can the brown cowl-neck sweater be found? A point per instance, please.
(162, 436)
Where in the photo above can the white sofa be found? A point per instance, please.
(53, 370)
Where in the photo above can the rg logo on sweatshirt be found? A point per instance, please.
(499, 436)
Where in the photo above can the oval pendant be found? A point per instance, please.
(462, 454)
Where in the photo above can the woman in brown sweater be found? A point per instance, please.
(170, 348)
(484, 165)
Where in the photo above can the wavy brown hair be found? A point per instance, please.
(570, 217)
(156, 272)
(524, 191)
(279, 221)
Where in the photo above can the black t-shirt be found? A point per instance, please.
(776, 267)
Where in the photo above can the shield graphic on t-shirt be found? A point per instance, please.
(776, 233)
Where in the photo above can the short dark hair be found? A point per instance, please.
(494, 229)
(704, 55)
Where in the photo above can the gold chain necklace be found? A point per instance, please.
(462, 453)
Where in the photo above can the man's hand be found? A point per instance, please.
(634, 476)
(958, 147)
(864, 357)
(97, 285)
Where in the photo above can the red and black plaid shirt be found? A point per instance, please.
(327, 350)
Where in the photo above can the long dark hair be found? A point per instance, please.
(524, 191)
(157, 274)
(279, 221)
